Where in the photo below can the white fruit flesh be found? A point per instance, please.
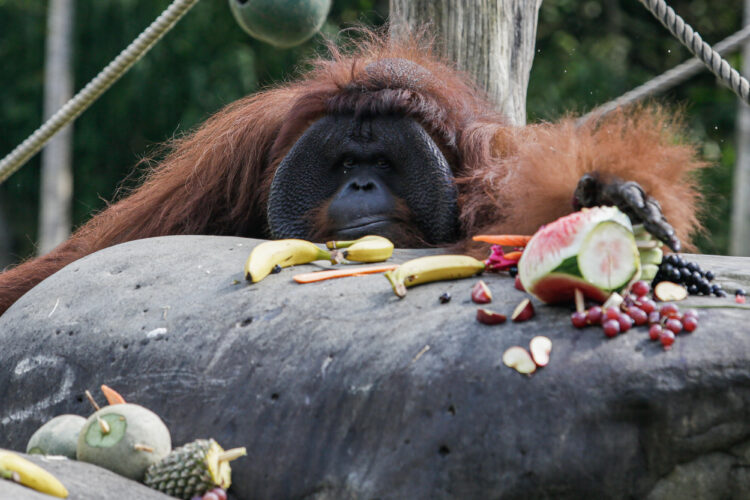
(608, 257)
(519, 359)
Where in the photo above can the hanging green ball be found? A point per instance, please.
(282, 23)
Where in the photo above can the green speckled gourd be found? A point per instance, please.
(193, 469)
(282, 23)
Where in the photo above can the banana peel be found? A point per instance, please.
(18, 469)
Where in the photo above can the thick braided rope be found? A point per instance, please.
(96, 87)
(668, 79)
(695, 44)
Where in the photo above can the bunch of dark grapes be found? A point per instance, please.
(676, 269)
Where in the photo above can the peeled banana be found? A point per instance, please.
(432, 268)
(283, 253)
(31, 475)
(369, 248)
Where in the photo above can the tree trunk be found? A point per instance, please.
(57, 176)
(740, 237)
(491, 40)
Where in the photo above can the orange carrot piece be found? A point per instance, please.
(113, 397)
(342, 273)
(506, 240)
(513, 255)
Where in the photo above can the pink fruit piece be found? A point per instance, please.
(540, 348)
(519, 359)
(518, 285)
(481, 293)
(523, 311)
(490, 317)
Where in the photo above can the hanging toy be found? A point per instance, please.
(282, 23)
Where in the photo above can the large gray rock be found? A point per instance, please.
(341, 390)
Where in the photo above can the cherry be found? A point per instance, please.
(640, 288)
(667, 338)
(669, 310)
(611, 327)
(689, 323)
(612, 313)
(655, 331)
(647, 305)
(654, 317)
(690, 312)
(594, 315)
(675, 325)
(578, 319)
(626, 322)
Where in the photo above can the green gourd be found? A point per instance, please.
(58, 436)
(282, 23)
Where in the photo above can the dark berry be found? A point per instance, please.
(513, 271)
(685, 275)
(626, 322)
(674, 275)
(710, 276)
(667, 338)
(692, 266)
(640, 288)
(740, 291)
(594, 315)
(704, 287)
(654, 331)
(690, 323)
(715, 289)
(671, 259)
(680, 262)
(721, 293)
(444, 298)
(276, 269)
(673, 324)
(667, 269)
(578, 319)
(611, 327)
(697, 278)
(693, 289)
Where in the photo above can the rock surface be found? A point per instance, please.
(83, 482)
(338, 389)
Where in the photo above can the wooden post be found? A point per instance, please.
(739, 241)
(492, 40)
(57, 175)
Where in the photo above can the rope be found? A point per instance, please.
(695, 44)
(668, 79)
(95, 88)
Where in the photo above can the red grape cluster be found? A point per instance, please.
(214, 494)
(638, 309)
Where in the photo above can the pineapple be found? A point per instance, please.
(193, 469)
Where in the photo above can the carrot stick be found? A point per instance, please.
(507, 240)
(113, 397)
(513, 255)
(342, 273)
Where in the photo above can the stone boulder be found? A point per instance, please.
(339, 389)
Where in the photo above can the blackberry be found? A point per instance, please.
(709, 276)
(513, 271)
(740, 291)
(689, 274)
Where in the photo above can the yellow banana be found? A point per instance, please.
(283, 253)
(365, 249)
(31, 475)
(432, 268)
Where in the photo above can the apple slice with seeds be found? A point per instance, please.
(519, 359)
(481, 293)
(523, 311)
(540, 348)
(490, 317)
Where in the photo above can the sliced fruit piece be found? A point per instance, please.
(523, 311)
(481, 293)
(540, 348)
(519, 359)
(552, 266)
(490, 317)
(666, 291)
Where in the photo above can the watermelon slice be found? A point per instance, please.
(592, 250)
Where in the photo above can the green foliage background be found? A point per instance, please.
(587, 53)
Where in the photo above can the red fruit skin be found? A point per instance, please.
(220, 492)
(612, 313)
(210, 496)
(611, 327)
(654, 317)
(578, 319)
(524, 314)
(481, 293)
(626, 322)
(669, 310)
(640, 288)
(674, 325)
(647, 305)
(667, 339)
(638, 315)
(655, 331)
(740, 299)
(488, 317)
(594, 315)
(689, 323)
(690, 312)
(518, 285)
(560, 288)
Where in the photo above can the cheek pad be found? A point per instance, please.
(304, 178)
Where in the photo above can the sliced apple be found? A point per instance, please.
(519, 359)
(523, 311)
(540, 348)
(490, 317)
(481, 293)
(666, 291)
(518, 285)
